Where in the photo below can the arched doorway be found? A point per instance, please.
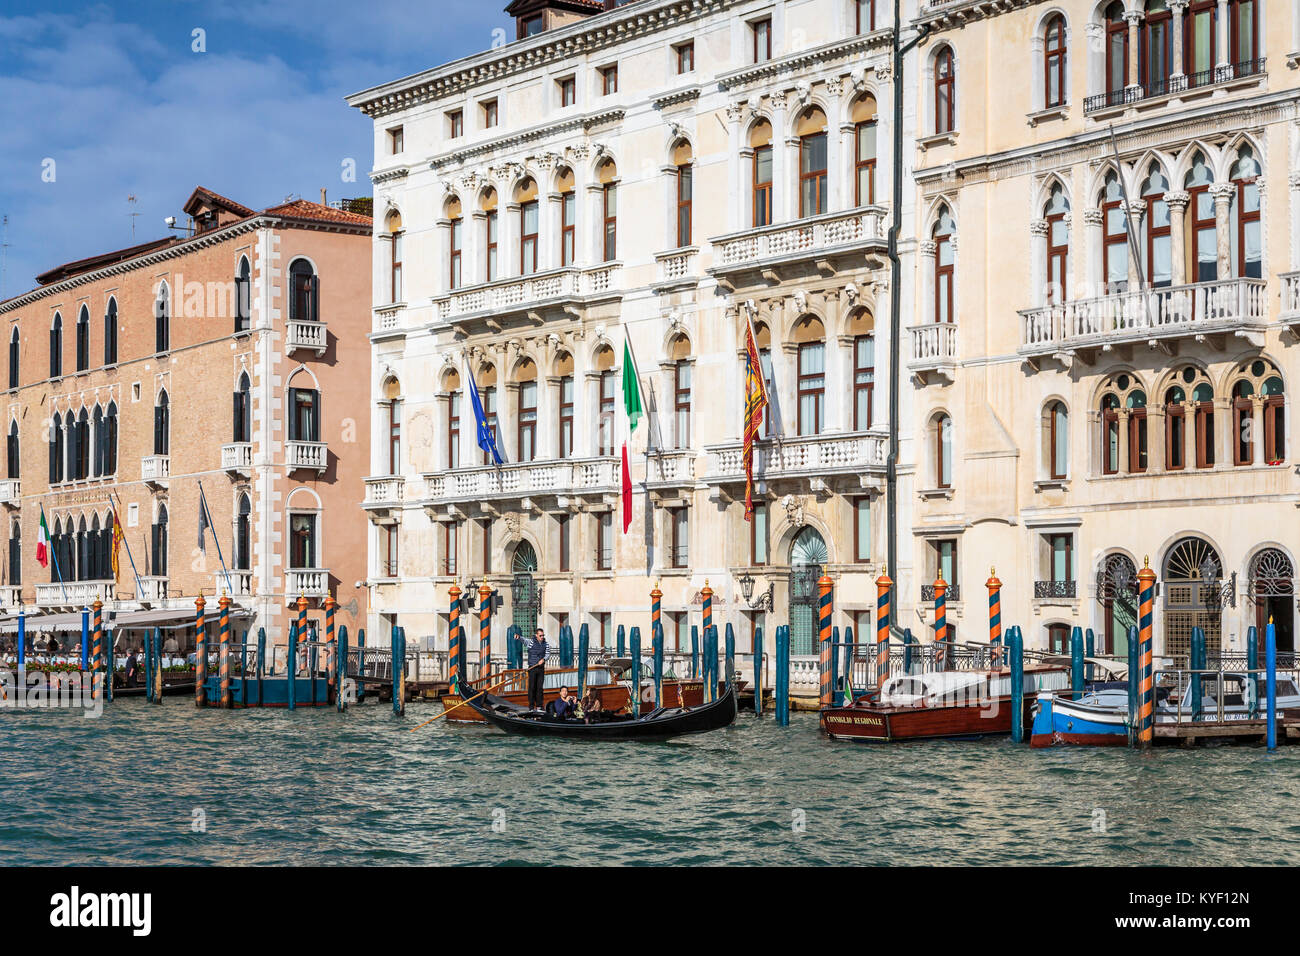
(525, 595)
(1272, 591)
(1117, 594)
(808, 555)
(1191, 583)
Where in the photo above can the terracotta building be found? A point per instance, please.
(217, 359)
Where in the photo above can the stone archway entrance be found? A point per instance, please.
(1117, 593)
(525, 595)
(808, 555)
(1192, 598)
(1272, 591)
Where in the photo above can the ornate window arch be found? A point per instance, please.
(945, 94)
(1258, 405)
(162, 315)
(1123, 409)
(1055, 51)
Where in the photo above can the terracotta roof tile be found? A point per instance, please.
(303, 209)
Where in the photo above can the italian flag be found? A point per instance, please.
(631, 405)
(43, 542)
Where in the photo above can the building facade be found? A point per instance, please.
(218, 359)
(657, 173)
(1104, 341)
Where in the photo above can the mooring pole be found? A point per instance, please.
(883, 613)
(695, 652)
(399, 670)
(707, 596)
(908, 643)
(22, 651)
(758, 670)
(1076, 662)
(730, 654)
(453, 640)
(1198, 662)
(1147, 587)
(846, 684)
(85, 641)
(584, 643)
(1252, 664)
(98, 665)
(657, 643)
(1017, 649)
(112, 668)
(783, 675)
(291, 689)
(836, 696)
(224, 660)
(340, 686)
(148, 665)
(361, 664)
(621, 638)
(261, 664)
(635, 703)
(1089, 649)
(940, 623)
(1270, 681)
(1134, 685)
(331, 648)
(656, 602)
(825, 602)
(995, 617)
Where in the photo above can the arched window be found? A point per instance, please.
(526, 410)
(110, 439)
(1192, 382)
(82, 456)
(1054, 63)
(607, 399)
(243, 410)
(1247, 237)
(243, 296)
(679, 352)
(529, 219)
(491, 238)
(1258, 389)
(1159, 251)
(451, 385)
(862, 328)
(1204, 231)
(70, 436)
(161, 425)
(13, 358)
(395, 257)
(95, 571)
(456, 245)
(110, 333)
(158, 555)
(56, 450)
(15, 552)
(1115, 235)
(1136, 402)
(162, 313)
(83, 339)
(760, 143)
(864, 153)
(608, 176)
(393, 399)
(944, 92)
(568, 217)
(1056, 431)
(684, 188)
(304, 292)
(1156, 50)
(11, 451)
(1116, 51)
(811, 131)
(1058, 245)
(101, 436)
(942, 439)
(302, 540)
(85, 566)
(56, 346)
(243, 556)
(810, 339)
(565, 394)
(304, 410)
(1123, 447)
(944, 260)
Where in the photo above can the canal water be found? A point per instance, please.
(170, 785)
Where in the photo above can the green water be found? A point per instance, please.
(171, 785)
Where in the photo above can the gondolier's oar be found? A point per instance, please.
(499, 683)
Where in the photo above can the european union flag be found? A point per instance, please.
(486, 440)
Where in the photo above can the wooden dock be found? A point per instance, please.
(1189, 734)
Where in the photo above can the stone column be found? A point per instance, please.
(1222, 40)
(1178, 242)
(1038, 230)
(1094, 275)
(843, 194)
(1223, 456)
(1223, 193)
(1178, 8)
(1257, 429)
(508, 259)
(782, 204)
(737, 171)
(473, 259)
(1136, 210)
(1156, 439)
(1134, 18)
(1124, 463)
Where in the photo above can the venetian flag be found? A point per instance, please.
(43, 542)
(755, 403)
(118, 536)
(631, 405)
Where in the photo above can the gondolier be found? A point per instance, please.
(538, 649)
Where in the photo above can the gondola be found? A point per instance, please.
(168, 690)
(659, 724)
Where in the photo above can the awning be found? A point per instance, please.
(163, 618)
(48, 623)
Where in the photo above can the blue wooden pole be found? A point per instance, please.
(566, 646)
(1270, 681)
(1197, 661)
(758, 671)
(261, 665)
(85, 639)
(397, 699)
(1017, 686)
(1089, 648)
(695, 652)
(846, 693)
(837, 695)
(148, 666)
(657, 642)
(22, 649)
(111, 657)
(1134, 681)
(361, 663)
(713, 661)
(399, 669)
(1076, 662)
(783, 675)
(908, 641)
(341, 678)
(730, 655)
(634, 705)
(291, 688)
(622, 641)
(584, 640)
(1252, 665)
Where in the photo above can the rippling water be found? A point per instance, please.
(357, 788)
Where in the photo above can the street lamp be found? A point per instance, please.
(1217, 596)
(765, 600)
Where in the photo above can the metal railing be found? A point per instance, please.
(1055, 589)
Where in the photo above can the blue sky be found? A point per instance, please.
(116, 96)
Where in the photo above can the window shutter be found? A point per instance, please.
(315, 415)
(315, 298)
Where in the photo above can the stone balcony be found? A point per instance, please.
(845, 458)
(492, 306)
(1158, 318)
(74, 595)
(311, 583)
(237, 459)
(306, 337)
(11, 492)
(156, 470)
(670, 470)
(153, 590)
(581, 478)
(824, 244)
(11, 595)
(308, 455)
(384, 496)
(1290, 313)
(676, 268)
(934, 351)
(238, 585)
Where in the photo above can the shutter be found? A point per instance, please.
(238, 429)
(315, 416)
(315, 298)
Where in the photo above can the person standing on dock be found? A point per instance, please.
(538, 649)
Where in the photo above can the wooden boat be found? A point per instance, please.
(183, 689)
(602, 679)
(660, 724)
(943, 704)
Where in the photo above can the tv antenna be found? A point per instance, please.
(4, 252)
(132, 200)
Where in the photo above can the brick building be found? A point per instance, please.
(217, 358)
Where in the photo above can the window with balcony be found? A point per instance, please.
(304, 414)
(1060, 548)
(811, 131)
(15, 552)
(568, 218)
(1159, 248)
(110, 333)
(394, 436)
(1247, 236)
(1054, 50)
(162, 425)
(13, 358)
(1116, 52)
(608, 176)
(158, 540)
(810, 337)
(302, 541)
(453, 429)
(242, 430)
(566, 397)
(450, 534)
(605, 541)
(758, 535)
(1244, 36)
(396, 255)
(83, 339)
(944, 263)
(760, 142)
(944, 92)
(12, 459)
(1056, 432)
(679, 537)
(56, 346)
(1200, 30)
(162, 315)
(943, 561)
(761, 39)
(304, 292)
(864, 368)
(684, 55)
(488, 396)
(526, 411)
(683, 176)
(763, 339)
(455, 245)
(864, 151)
(941, 436)
(1203, 226)
(1155, 50)
(608, 397)
(491, 238)
(1114, 235)
(243, 544)
(1056, 214)
(526, 196)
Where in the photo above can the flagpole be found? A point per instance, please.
(55, 558)
(203, 503)
(116, 502)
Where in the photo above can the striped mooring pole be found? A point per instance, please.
(98, 663)
(707, 596)
(484, 630)
(884, 610)
(200, 652)
(453, 640)
(940, 623)
(1146, 689)
(656, 606)
(224, 660)
(331, 649)
(824, 605)
(304, 633)
(995, 618)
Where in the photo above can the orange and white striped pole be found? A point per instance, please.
(223, 661)
(453, 639)
(331, 608)
(824, 607)
(995, 618)
(883, 611)
(656, 606)
(484, 630)
(1146, 685)
(200, 652)
(98, 650)
(940, 623)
